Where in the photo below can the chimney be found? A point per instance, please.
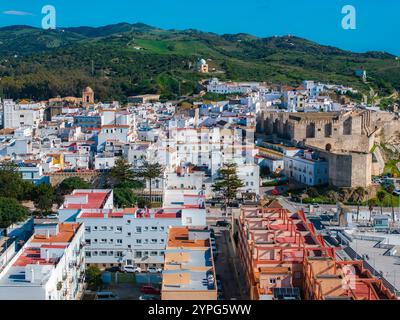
(47, 256)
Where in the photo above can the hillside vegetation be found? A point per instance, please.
(127, 59)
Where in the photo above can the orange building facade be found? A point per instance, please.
(280, 249)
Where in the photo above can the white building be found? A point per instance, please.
(15, 116)
(132, 236)
(306, 167)
(50, 266)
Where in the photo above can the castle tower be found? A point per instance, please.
(88, 95)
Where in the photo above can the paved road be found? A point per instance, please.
(227, 267)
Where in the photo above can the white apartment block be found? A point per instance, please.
(50, 266)
(132, 236)
(116, 237)
(15, 116)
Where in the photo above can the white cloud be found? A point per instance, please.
(17, 13)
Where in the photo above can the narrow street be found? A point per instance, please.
(228, 268)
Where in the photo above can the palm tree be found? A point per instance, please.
(371, 205)
(149, 172)
(390, 189)
(359, 195)
(381, 195)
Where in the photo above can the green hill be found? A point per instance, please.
(126, 59)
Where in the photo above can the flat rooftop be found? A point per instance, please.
(379, 260)
(179, 237)
(198, 281)
(92, 199)
(66, 232)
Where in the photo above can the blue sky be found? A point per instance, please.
(378, 26)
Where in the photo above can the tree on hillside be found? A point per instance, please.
(122, 175)
(359, 195)
(11, 183)
(149, 172)
(228, 183)
(124, 198)
(70, 184)
(44, 197)
(11, 212)
(381, 195)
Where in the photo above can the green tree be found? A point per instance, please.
(11, 211)
(70, 184)
(359, 195)
(11, 183)
(149, 172)
(381, 195)
(390, 189)
(371, 205)
(93, 277)
(121, 174)
(333, 196)
(228, 183)
(44, 198)
(312, 192)
(124, 198)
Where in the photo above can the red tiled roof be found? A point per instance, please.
(95, 200)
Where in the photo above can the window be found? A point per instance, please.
(153, 228)
(162, 240)
(94, 240)
(95, 228)
(87, 229)
(162, 228)
(139, 241)
(88, 241)
(146, 240)
(103, 241)
(119, 241)
(95, 253)
(88, 254)
(129, 234)
(138, 229)
(153, 253)
(153, 240)
(272, 280)
(146, 228)
(103, 253)
(119, 229)
(103, 228)
(129, 222)
(138, 254)
(111, 228)
(110, 253)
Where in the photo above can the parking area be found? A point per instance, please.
(126, 286)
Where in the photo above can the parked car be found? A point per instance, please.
(106, 295)
(149, 297)
(154, 270)
(113, 269)
(149, 290)
(222, 223)
(132, 269)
